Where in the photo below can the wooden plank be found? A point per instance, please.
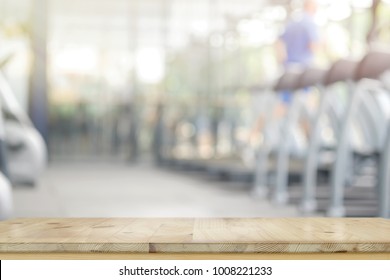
(165, 256)
(203, 235)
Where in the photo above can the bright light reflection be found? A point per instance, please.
(78, 60)
(150, 65)
(339, 11)
(364, 4)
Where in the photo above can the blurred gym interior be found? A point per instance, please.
(173, 108)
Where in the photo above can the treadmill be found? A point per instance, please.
(368, 88)
(239, 164)
(354, 150)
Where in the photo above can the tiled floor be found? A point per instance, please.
(120, 190)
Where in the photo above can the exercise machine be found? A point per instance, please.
(27, 154)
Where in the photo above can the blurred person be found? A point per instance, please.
(300, 39)
(297, 46)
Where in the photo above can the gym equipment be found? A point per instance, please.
(340, 72)
(323, 150)
(288, 144)
(271, 136)
(5, 186)
(179, 134)
(368, 71)
(247, 136)
(361, 200)
(27, 154)
(384, 172)
(309, 78)
(213, 146)
(5, 198)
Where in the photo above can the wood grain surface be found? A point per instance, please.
(198, 235)
(192, 256)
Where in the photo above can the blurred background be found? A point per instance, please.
(115, 87)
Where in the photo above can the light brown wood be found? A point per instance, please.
(196, 236)
(189, 256)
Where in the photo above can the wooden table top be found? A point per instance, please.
(198, 235)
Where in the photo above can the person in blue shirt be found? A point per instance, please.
(296, 46)
(299, 41)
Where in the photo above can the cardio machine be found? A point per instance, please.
(281, 158)
(26, 149)
(5, 186)
(368, 88)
